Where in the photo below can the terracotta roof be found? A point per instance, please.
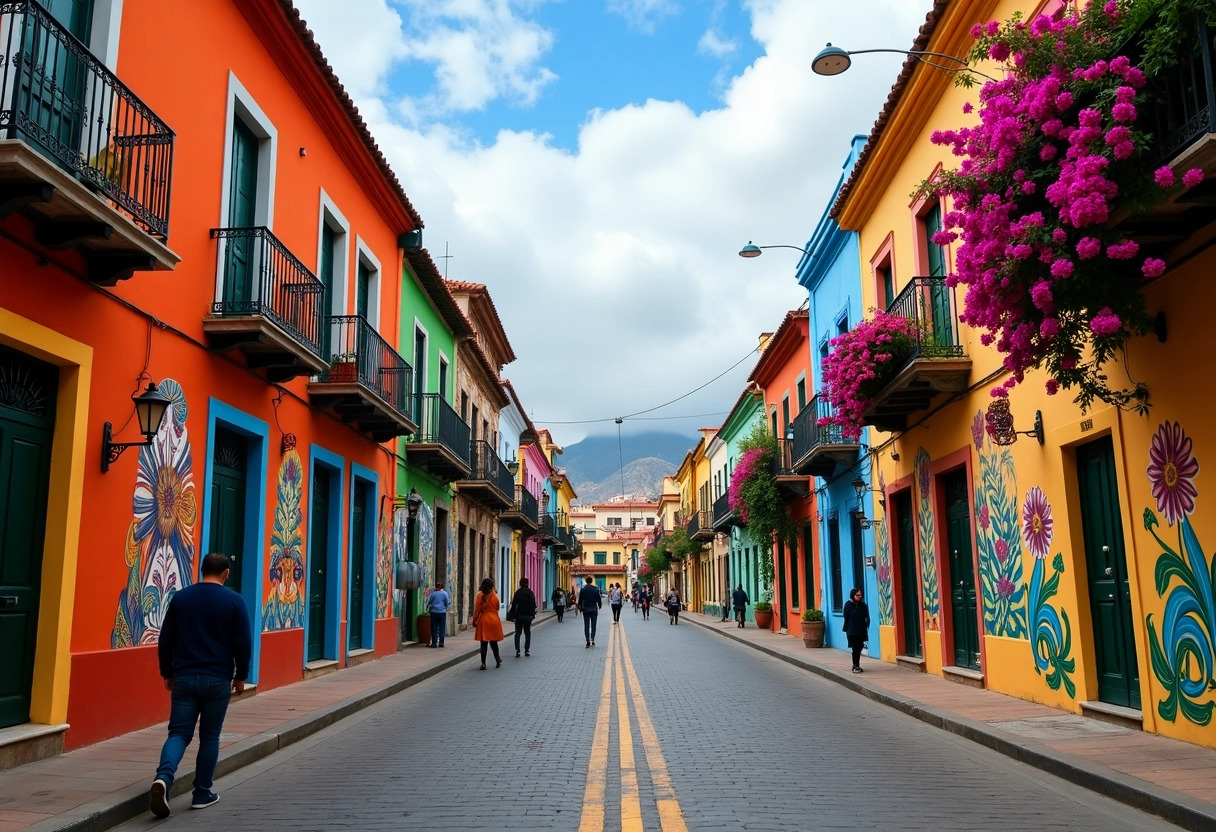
(479, 291)
(352, 112)
(888, 109)
(772, 348)
(423, 267)
(466, 286)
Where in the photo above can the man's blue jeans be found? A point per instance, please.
(201, 699)
(589, 619)
(439, 628)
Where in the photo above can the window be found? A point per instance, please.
(464, 406)
(614, 521)
(616, 558)
(419, 371)
(367, 284)
(443, 377)
(473, 412)
(795, 586)
(935, 257)
(785, 415)
(332, 257)
(601, 558)
(801, 393)
(808, 534)
(859, 559)
(834, 554)
(649, 521)
(882, 267)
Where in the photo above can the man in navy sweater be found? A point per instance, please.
(205, 641)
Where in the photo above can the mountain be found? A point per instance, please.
(594, 464)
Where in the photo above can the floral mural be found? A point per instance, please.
(384, 566)
(886, 603)
(159, 548)
(1182, 650)
(401, 550)
(996, 536)
(1052, 638)
(930, 593)
(284, 607)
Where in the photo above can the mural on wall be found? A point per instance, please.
(159, 549)
(1052, 637)
(886, 603)
(996, 537)
(424, 527)
(930, 594)
(284, 603)
(401, 550)
(384, 565)
(1183, 650)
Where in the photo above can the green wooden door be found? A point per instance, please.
(783, 598)
(318, 563)
(1109, 591)
(358, 562)
(857, 543)
(228, 491)
(325, 273)
(808, 554)
(27, 401)
(363, 280)
(54, 78)
(939, 294)
(240, 265)
(909, 580)
(962, 572)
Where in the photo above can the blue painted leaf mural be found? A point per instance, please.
(998, 543)
(886, 601)
(930, 591)
(1052, 643)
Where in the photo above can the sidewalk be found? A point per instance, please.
(1170, 778)
(102, 785)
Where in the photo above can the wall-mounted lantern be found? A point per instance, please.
(150, 407)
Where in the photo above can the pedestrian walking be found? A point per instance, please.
(739, 601)
(523, 609)
(204, 648)
(589, 603)
(559, 603)
(644, 602)
(437, 604)
(856, 625)
(616, 599)
(634, 596)
(673, 607)
(487, 626)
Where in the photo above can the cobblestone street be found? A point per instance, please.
(537, 744)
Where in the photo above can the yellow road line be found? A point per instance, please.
(631, 804)
(597, 767)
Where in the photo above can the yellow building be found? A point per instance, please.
(1069, 568)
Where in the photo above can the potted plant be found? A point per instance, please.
(812, 627)
(764, 614)
(342, 368)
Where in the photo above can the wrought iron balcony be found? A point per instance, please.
(933, 361)
(700, 525)
(71, 131)
(524, 513)
(724, 515)
(819, 449)
(367, 383)
(547, 534)
(790, 483)
(489, 482)
(440, 445)
(660, 532)
(269, 307)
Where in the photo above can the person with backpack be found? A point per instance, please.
(739, 601)
(673, 606)
(616, 598)
(559, 603)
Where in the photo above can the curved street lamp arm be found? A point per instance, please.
(795, 248)
(918, 55)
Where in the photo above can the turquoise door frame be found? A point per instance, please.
(367, 616)
(334, 585)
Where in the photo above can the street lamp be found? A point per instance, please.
(832, 60)
(751, 250)
(150, 407)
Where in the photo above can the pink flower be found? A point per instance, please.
(967, 107)
(1061, 268)
(1004, 587)
(998, 52)
(1040, 294)
(977, 430)
(1125, 250)
(1192, 177)
(1064, 100)
(984, 520)
(1051, 386)
(1164, 176)
(1050, 328)
(1047, 152)
(1002, 549)
(1104, 323)
(1123, 150)
(1153, 267)
(1123, 111)
(1172, 470)
(1088, 248)
(1037, 523)
(993, 27)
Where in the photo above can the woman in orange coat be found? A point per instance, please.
(486, 623)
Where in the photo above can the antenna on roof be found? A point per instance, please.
(446, 257)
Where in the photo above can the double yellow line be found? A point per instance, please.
(620, 667)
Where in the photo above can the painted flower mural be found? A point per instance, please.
(159, 549)
(1183, 651)
(1036, 523)
(284, 606)
(384, 567)
(1051, 640)
(996, 536)
(930, 592)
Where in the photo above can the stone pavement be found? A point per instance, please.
(101, 785)
(1170, 778)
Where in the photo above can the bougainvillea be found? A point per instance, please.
(1057, 154)
(861, 361)
(753, 494)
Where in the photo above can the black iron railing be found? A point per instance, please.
(57, 96)
(439, 424)
(548, 527)
(722, 510)
(261, 277)
(692, 523)
(783, 461)
(929, 303)
(358, 353)
(526, 505)
(1184, 97)
(808, 433)
(487, 465)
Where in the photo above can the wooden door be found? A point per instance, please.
(27, 403)
(909, 579)
(782, 587)
(318, 564)
(358, 566)
(1109, 589)
(325, 273)
(54, 78)
(228, 492)
(962, 571)
(240, 263)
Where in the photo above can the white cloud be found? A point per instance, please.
(715, 45)
(615, 266)
(643, 15)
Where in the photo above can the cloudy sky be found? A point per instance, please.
(598, 164)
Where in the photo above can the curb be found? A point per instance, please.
(131, 802)
(1175, 807)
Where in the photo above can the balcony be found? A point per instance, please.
(80, 155)
(700, 525)
(489, 482)
(523, 514)
(440, 445)
(660, 532)
(820, 450)
(270, 306)
(935, 363)
(367, 383)
(724, 516)
(547, 535)
(790, 483)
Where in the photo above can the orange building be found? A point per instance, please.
(233, 235)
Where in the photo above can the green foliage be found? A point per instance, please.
(764, 507)
(763, 606)
(659, 561)
(672, 548)
(812, 614)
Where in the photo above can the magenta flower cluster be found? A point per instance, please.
(1055, 150)
(753, 461)
(859, 361)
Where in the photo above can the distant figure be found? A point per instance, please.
(204, 648)
(524, 603)
(616, 598)
(673, 607)
(559, 603)
(589, 603)
(486, 623)
(856, 625)
(437, 604)
(739, 601)
(644, 601)
(634, 597)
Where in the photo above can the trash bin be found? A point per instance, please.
(423, 623)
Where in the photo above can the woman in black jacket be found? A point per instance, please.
(523, 603)
(856, 625)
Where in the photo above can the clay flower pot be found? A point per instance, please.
(812, 633)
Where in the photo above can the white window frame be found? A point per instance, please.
(364, 253)
(328, 214)
(445, 368)
(105, 31)
(426, 349)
